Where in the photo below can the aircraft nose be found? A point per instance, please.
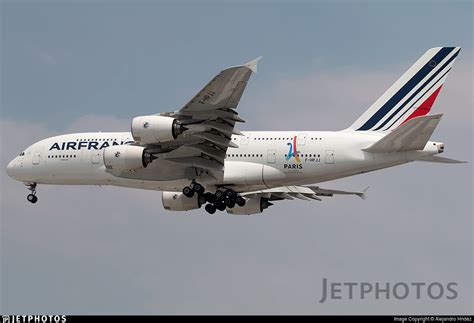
(12, 168)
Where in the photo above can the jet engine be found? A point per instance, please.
(155, 129)
(176, 201)
(253, 205)
(126, 158)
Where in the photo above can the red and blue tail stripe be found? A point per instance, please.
(412, 95)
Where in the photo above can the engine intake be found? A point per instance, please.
(155, 129)
(176, 201)
(126, 157)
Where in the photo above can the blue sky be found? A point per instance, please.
(93, 65)
(73, 58)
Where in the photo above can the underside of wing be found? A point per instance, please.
(306, 193)
(257, 201)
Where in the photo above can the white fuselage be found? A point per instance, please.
(264, 159)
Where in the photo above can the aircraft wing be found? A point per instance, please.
(222, 93)
(306, 193)
(210, 118)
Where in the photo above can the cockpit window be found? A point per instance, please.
(22, 154)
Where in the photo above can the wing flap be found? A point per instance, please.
(217, 139)
(209, 151)
(306, 193)
(329, 193)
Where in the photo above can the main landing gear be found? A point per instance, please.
(32, 198)
(195, 188)
(220, 200)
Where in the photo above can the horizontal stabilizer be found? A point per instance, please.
(412, 135)
(437, 159)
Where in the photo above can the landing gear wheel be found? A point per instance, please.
(198, 188)
(211, 209)
(219, 194)
(230, 193)
(220, 205)
(209, 197)
(202, 200)
(240, 201)
(188, 192)
(230, 203)
(32, 198)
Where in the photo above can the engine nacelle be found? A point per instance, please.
(155, 129)
(126, 158)
(252, 206)
(176, 201)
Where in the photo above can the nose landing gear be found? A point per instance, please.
(32, 198)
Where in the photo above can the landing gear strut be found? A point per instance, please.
(32, 198)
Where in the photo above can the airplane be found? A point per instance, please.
(198, 157)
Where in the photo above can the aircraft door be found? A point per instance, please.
(96, 155)
(271, 155)
(244, 141)
(36, 158)
(301, 139)
(329, 156)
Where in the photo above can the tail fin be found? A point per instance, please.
(412, 95)
(412, 135)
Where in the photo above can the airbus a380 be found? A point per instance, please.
(197, 156)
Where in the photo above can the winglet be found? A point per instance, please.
(252, 65)
(363, 194)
